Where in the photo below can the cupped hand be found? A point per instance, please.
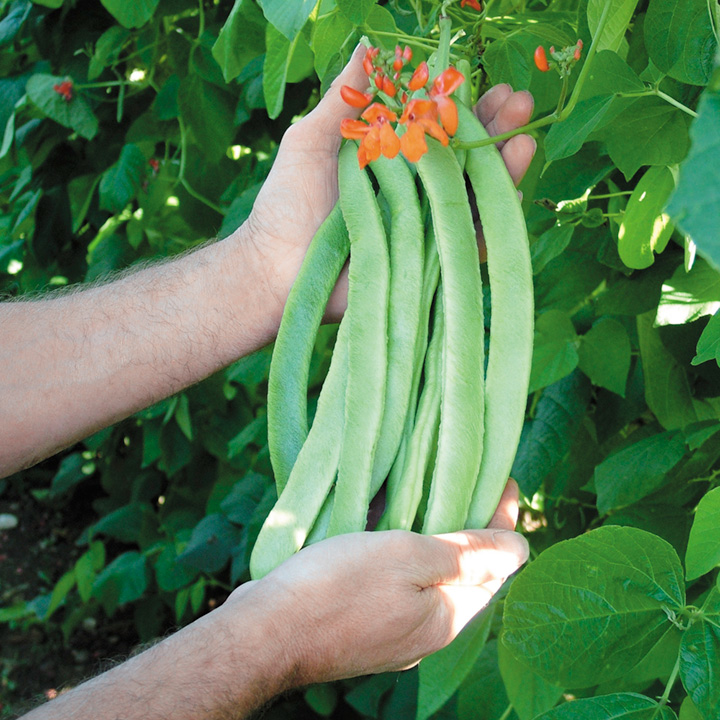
(375, 602)
(302, 189)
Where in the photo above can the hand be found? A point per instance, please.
(376, 602)
(301, 189)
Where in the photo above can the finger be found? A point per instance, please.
(488, 105)
(474, 557)
(506, 514)
(515, 112)
(332, 108)
(518, 153)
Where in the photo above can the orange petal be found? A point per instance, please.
(448, 115)
(432, 128)
(447, 82)
(419, 77)
(377, 112)
(353, 129)
(412, 143)
(354, 97)
(389, 141)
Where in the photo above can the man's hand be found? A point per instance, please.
(301, 189)
(375, 602)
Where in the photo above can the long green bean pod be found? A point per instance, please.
(287, 526)
(366, 315)
(405, 498)
(304, 309)
(511, 320)
(397, 185)
(461, 420)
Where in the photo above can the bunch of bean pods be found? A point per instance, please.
(411, 399)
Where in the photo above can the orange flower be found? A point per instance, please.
(420, 117)
(419, 77)
(474, 4)
(354, 97)
(445, 85)
(376, 134)
(64, 89)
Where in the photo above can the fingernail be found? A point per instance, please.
(534, 142)
(513, 543)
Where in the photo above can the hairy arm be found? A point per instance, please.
(351, 605)
(81, 360)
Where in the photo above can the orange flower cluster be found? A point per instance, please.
(64, 89)
(435, 115)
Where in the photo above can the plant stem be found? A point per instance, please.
(606, 196)
(668, 687)
(201, 26)
(662, 95)
(507, 712)
(411, 40)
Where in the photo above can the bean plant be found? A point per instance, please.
(131, 131)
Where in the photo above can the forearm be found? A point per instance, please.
(222, 667)
(79, 361)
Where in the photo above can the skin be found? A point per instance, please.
(79, 361)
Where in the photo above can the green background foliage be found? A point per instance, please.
(178, 110)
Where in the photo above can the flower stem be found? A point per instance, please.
(663, 96)
(181, 174)
(668, 687)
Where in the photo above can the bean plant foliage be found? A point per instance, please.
(135, 130)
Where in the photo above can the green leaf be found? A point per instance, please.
(618, 19)
(12, 23)
(703, 550)
(63, 586)
(645, 228)
(211, 544)
(700, 658)
(241, 39)
(555, 352)
(688, 711)
(547, 438)
(549, 245)
(638, 470)
(127, 523)
(687, 296)
(506, 61)
(278, 56)
(54, 4)
(121, 182)
(590, 608)
(609, 74)
(667, 388)
(86, 569)
(605, 354)
(172, 575)
(240, 503)
(482, 696)
(124, 580)
(708, 347)
(107, 49)
(166, 105)
(287, 16)
(131, 14)
(696, 202)
(330, 35)
(356, 11)
(679, 39)
(649, 131)
(567, 137)
(208, 111)
(619, 706)
(528, 693)
(442, 673)
(75, 114)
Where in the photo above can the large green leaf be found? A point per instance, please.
(287, 16)
(442, 673)
(211, 544)
(546, 439)
(645, 229)
(708, 347)
(638, 470)
(689, 295)
(121, 182)
(648, 131)
(555, 352)
(696, 202)
(679, 39)
(278, 57)
(700, 659)
(330, 36)
(506, 61)
(356, 11)
(618, 19)
(241, 39)
(566, 138)
(131, 14)
(703, 550)
(208, 111)
(74, 114)
(124, 580)
(589, 609)
(605, 354)
(619, 706)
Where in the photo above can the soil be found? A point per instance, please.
(35, 661)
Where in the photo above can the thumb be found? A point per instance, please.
(326, 117)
